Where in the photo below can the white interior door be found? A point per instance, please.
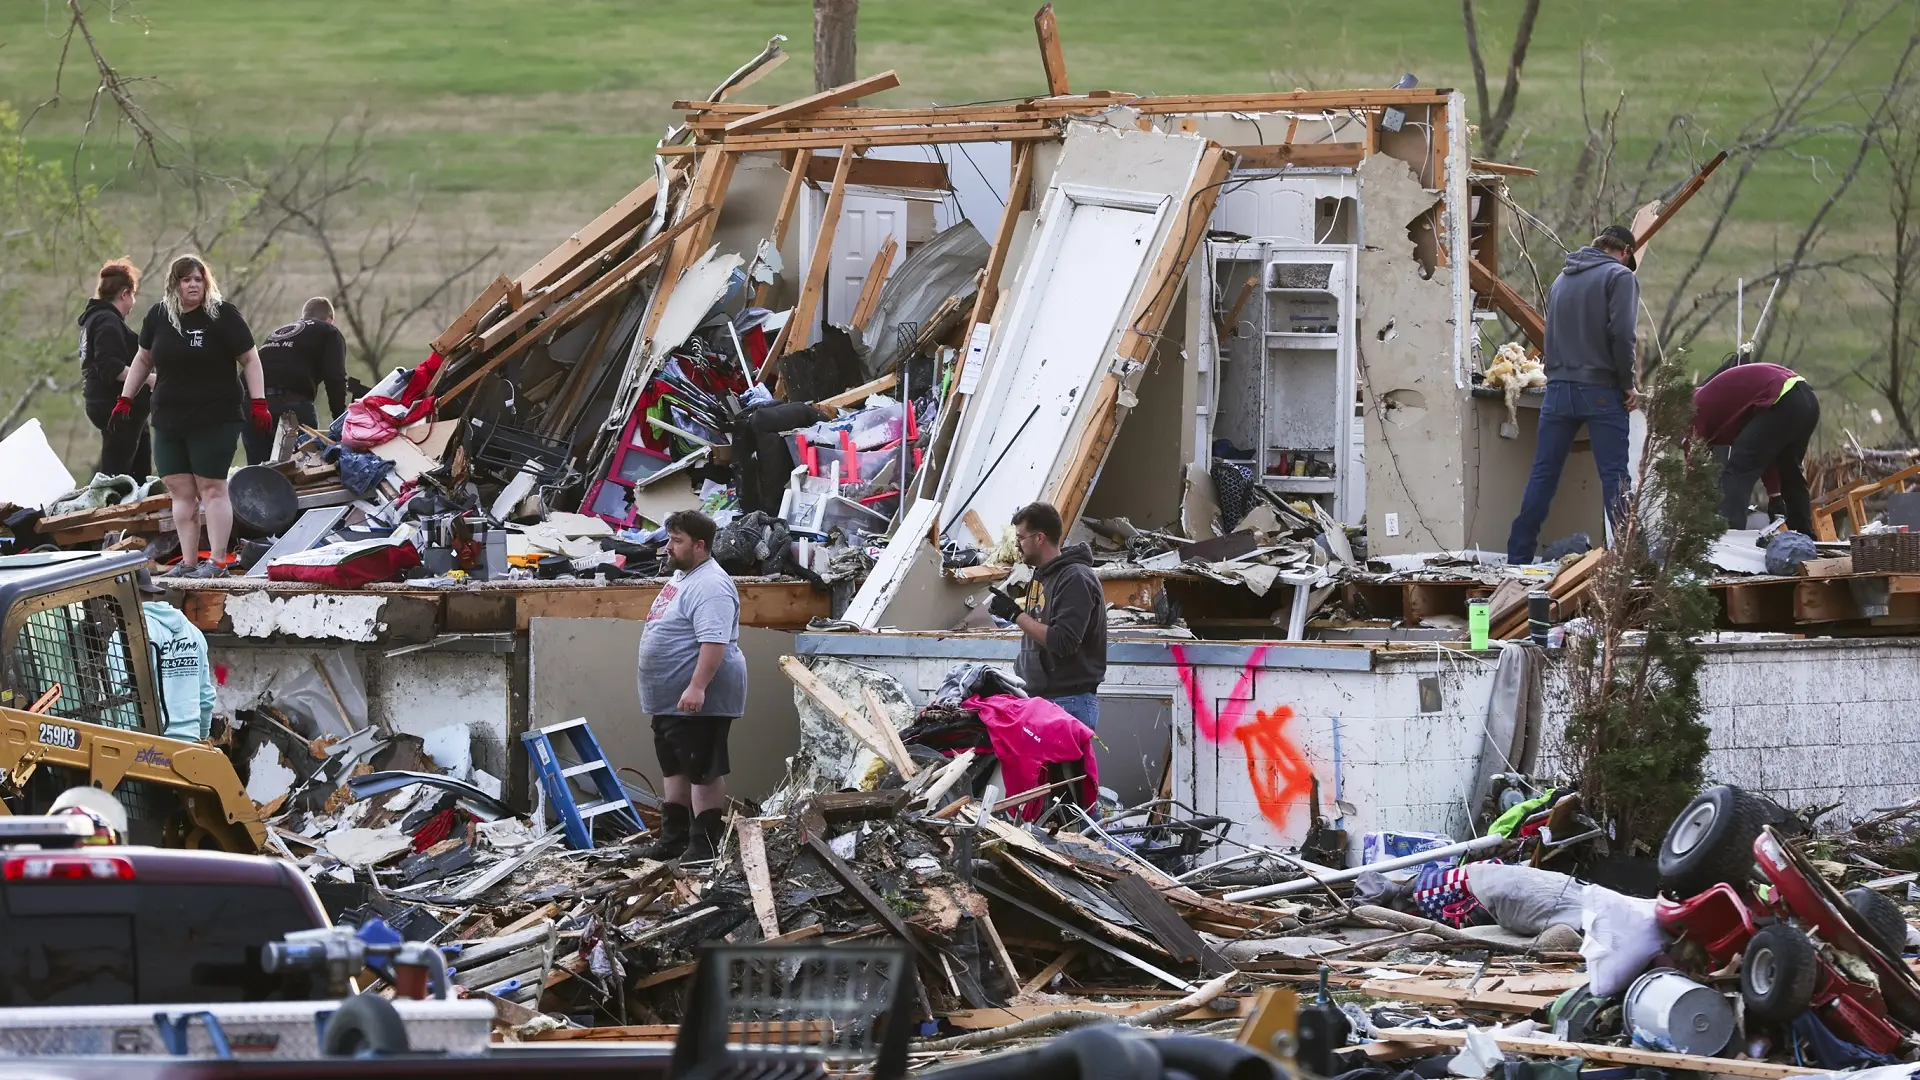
(1070, 299)
(865, 223)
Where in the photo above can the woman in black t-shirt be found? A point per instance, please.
(194, 341)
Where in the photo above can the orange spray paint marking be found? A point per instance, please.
(1278, 770)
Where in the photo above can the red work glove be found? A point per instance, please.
(122, 412)
(262, 418)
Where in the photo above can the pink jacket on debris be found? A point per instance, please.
(1028, 735)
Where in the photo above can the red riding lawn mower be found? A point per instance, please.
(1800, 943)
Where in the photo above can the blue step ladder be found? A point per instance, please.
(555, 777)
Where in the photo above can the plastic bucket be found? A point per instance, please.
(1665, 1010)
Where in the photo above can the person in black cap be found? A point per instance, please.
(1591, 379)
(300, 358)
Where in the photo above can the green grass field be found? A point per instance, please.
(518, 121)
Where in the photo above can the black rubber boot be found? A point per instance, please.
(676, 821)
(708, 827)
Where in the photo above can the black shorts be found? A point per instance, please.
(692, 746)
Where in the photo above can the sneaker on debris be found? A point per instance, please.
(180, 570)
(206, 568)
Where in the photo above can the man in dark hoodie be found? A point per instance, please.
(1063, 655)
(1589, 358)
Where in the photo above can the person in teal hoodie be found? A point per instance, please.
(181, 665)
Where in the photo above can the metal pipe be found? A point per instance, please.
(1285, 888)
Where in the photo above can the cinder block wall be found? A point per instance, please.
(1393, 737)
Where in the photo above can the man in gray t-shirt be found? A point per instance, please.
(693, 680)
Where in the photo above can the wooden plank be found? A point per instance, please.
(869, 300)
(882, 723)
(1438, 993)
(971, 519)
(709, 188)
(885, 172)
(1018, 194)
(1501, 167)
(932, 135)
(634, 207)
(981, 1019)
(790, 197)
(858, 725)
(628, 269)
(1823, 600)
(1680, 198)
(458, 330)
(1758, 603)
(1000, 950)
(881, 910)
(753, 860)
(1835, 567)
(573, 281)
(800, 322)
(1515, 306)
(1297, 156)
(204, 608)
(1047, 973)
(793, 110)
(75, 518)
(773, 605)
(1143, 331)
(1052, 60)
(1624, 1055)
(859, 393)
(1165, 925)
(1306, 100)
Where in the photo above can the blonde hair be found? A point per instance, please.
(180, 268)
(117, 277)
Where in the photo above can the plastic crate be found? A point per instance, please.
(1886, 553)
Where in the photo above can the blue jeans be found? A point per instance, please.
(1604, 411)
(1082, 707)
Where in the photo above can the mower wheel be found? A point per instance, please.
(1883, 918)
(1778, 975)
(1712, 841)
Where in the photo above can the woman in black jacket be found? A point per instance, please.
(107, 345)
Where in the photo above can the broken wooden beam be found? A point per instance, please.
(1510, 303)
(869, 301)
(1680, 198)
(1624, 1055)
(800, 322)
(753, 861)
(872, 901)
(1299, 156)
(1052, 59)
(885, 172)
(794, 110)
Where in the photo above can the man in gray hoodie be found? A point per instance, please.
(1589, 359)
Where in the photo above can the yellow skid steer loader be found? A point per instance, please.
(80, 704)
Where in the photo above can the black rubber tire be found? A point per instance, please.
(1711, 841)
(1883, 917)
(363, 1025)
(1778, 974)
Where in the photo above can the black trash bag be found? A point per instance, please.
(751, 543)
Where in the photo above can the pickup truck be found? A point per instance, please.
(111, 925)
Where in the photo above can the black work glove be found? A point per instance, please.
(1002, 606)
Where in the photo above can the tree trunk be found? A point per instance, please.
(833, 49)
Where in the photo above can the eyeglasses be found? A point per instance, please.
(1020, 539)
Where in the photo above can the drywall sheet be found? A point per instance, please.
(1106, 216)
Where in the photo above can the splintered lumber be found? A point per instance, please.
(633, 208)
(629, 267)
(458, 330)
(1623, 1055)
(710, 181)
(753, 860)
(1567, 585)
(1068, 956)
(1301, 155)
(925, 135)
(870, 288)
(1510, 303)
(883, 726)
(859, 393)
(1017, 195)
(790, 197)
(1052, 59)
(793, 110)
(948, 776)
(825, 697)
(1438, 993)
(1673, 205)
(800, 321)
